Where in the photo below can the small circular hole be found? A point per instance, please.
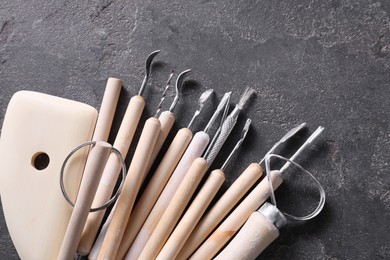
(40, 161)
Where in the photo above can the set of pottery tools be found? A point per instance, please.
(60, 176)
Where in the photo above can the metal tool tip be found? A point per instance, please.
(205, 95)
(316, 133)
(245, 97)
(148, 64)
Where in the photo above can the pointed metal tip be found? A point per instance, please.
(292, 132)
(315, 134)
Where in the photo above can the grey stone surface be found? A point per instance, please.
(321, 62)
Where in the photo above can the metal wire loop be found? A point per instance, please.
(108, 203)
(321, 202)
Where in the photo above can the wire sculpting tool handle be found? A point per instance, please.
(93, 170)
(111, 172)
(221, 209)
(175, 209)
(256, 235)
(154, 188)
(194, 150)
(167, 119)
(192, 216)
(229, 227)
(130, 190)
(107, 109)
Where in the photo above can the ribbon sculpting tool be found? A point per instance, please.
(229, 227)
(188, 185)
(89, 184)
(228, 200)
(159, 180)
(263, 226)
(199, 205)
(111, 171)
(195, 149)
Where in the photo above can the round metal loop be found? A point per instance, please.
(108, 203)
(321, 191)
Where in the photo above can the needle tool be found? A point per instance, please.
(112, 169)
(229, 199)
(132, 184)
(195, 150)
(229, 227)
(159, 180)
(197, 208)
(191, 180)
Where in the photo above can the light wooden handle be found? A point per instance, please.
(107, 109)
(257, 233)
(192, 215)
(154, 188)
(93, 170)
(194, 150)
(220, 209)
(111, 171)
(237, 218)
(132, 184)
(167, 119)
(175, 208)
(97, 245)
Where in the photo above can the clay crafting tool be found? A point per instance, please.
(229, 199)
(228, 228)
(227, 126)
(194, 150)
(136, 175)
(158, 181)
(166, 120)
(189, 184)
(93, 170)
(198, 206)
(38, 132)
(262, 227)
(107, 109)
(111, 171)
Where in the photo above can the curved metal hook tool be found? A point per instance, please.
(179, 82)
(148, 64)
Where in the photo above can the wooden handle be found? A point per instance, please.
(237, 218)
(107, 109)
(167, 119)
(111, 171)
(132, 184)
(192, 215)
(154, 188)
(97, 245)
(257, 233)
(220, 209)
(194, 150)
(93, 170)
(175, 208)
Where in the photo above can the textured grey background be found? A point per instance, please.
(321, 62)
